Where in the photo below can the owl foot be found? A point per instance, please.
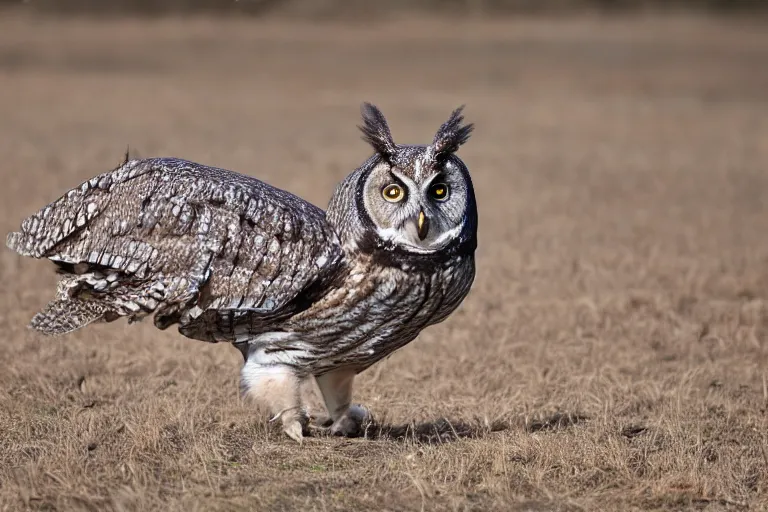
(336, 388)
(278, 388)
(351, 423)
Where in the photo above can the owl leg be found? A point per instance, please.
(278, 388)
(336, 388)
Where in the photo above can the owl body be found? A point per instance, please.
(375, 311)
(301, 292)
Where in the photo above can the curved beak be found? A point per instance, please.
(423, 225)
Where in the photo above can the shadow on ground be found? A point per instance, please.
(445, 430)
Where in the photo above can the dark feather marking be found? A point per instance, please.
(69, 268)
(247, 220)
(422, 302)
(64, 267)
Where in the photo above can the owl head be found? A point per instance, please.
(410, 199)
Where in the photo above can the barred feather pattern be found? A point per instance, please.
(378, 311)
(176, 238)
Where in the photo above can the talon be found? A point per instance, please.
(295, 431)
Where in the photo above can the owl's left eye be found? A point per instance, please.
(439, 191)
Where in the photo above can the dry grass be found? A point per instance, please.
(612, 355)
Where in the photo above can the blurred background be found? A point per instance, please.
(346, 8)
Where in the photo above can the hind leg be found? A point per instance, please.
(277, 387)
(336, 388)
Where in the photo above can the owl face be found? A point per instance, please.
(415, 202)
(407, 200)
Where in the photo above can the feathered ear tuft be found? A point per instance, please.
(452, 134)
(376, 131)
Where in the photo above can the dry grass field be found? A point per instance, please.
(613, 354)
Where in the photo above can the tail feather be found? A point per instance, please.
(64, 316)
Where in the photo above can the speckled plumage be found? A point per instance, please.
(301, 292)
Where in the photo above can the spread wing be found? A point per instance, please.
(204, 247)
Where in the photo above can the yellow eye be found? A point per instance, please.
(439, 191)
(393, 193)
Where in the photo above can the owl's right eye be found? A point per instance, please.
(393, 193)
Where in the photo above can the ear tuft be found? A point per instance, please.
(376, 131)
(452, 134)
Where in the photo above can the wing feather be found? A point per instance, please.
(216, 239)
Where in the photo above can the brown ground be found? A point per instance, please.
(612, 355)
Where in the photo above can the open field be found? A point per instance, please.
(613, 354)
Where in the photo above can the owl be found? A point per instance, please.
(302, 293)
